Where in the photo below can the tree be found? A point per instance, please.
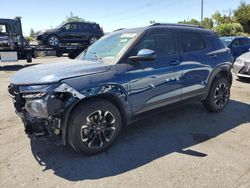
(219, 19)
(29, 39)
(192, 21)
(242, 15)
(73, 18)
(229, 29)
(208, 23)
(32, 33)
(152, 22)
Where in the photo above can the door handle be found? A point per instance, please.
(175, 62)
(212, 56)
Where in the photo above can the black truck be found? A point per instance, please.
(14, 47)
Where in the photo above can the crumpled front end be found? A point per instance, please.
(41, 107)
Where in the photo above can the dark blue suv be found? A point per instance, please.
(122, 76)
(71, 32)
(237, 45)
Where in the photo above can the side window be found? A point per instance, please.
(70, 26)
(162, 42)
(239, 42)
(3, 28)
(242, 41)
(192, 41)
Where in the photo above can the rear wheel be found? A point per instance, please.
(29, 57)
(218, 96)
(93, 126)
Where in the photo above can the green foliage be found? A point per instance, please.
(227, 25)
(152, 22)
(192, 21)
(229, 29)
(242, 15)
(219, 19)
(29, 39)
(32, 33)
(73, 18)
(208, 23)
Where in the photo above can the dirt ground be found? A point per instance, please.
(184, 147)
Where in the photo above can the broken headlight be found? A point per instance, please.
(37, 107)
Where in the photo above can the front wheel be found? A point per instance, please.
(93, 126)
(218, 96)
(53, 40)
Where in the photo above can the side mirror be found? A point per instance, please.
(144, 55)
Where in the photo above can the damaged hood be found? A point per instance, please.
(54, 72)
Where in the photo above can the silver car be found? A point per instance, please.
(241, 67)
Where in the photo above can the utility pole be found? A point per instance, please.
(201, 12)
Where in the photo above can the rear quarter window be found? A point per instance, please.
(192, 41)
(217, 43)
(85, 27)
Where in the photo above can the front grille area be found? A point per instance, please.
(16, 96)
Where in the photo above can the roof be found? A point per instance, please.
(176, 25)
(5, 20)
(233, 37)
(80, 22)
(168, 25)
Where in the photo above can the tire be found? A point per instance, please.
(53, 40)
(218, 95)
(29, 58)
(93, 126)
(72, 55)
(92, 40)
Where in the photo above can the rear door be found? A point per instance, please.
(85, 31)
(197, 61)
(155, 83)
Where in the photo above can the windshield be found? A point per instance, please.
(108, 48)
(59, 26)
(226, 41)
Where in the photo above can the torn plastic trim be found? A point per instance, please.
(65, 88)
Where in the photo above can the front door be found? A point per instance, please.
(155, 83)
(71, 32)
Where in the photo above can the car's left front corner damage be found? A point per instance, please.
(41, 107)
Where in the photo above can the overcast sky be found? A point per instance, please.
(110, 14)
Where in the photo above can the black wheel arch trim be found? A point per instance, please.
(218, 72)
(110, 92)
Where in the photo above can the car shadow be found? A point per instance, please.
(144, 141)
(15, 67)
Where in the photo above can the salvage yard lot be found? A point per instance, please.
(182, 147)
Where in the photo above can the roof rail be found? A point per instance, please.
(173, 24)
(119, 29)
